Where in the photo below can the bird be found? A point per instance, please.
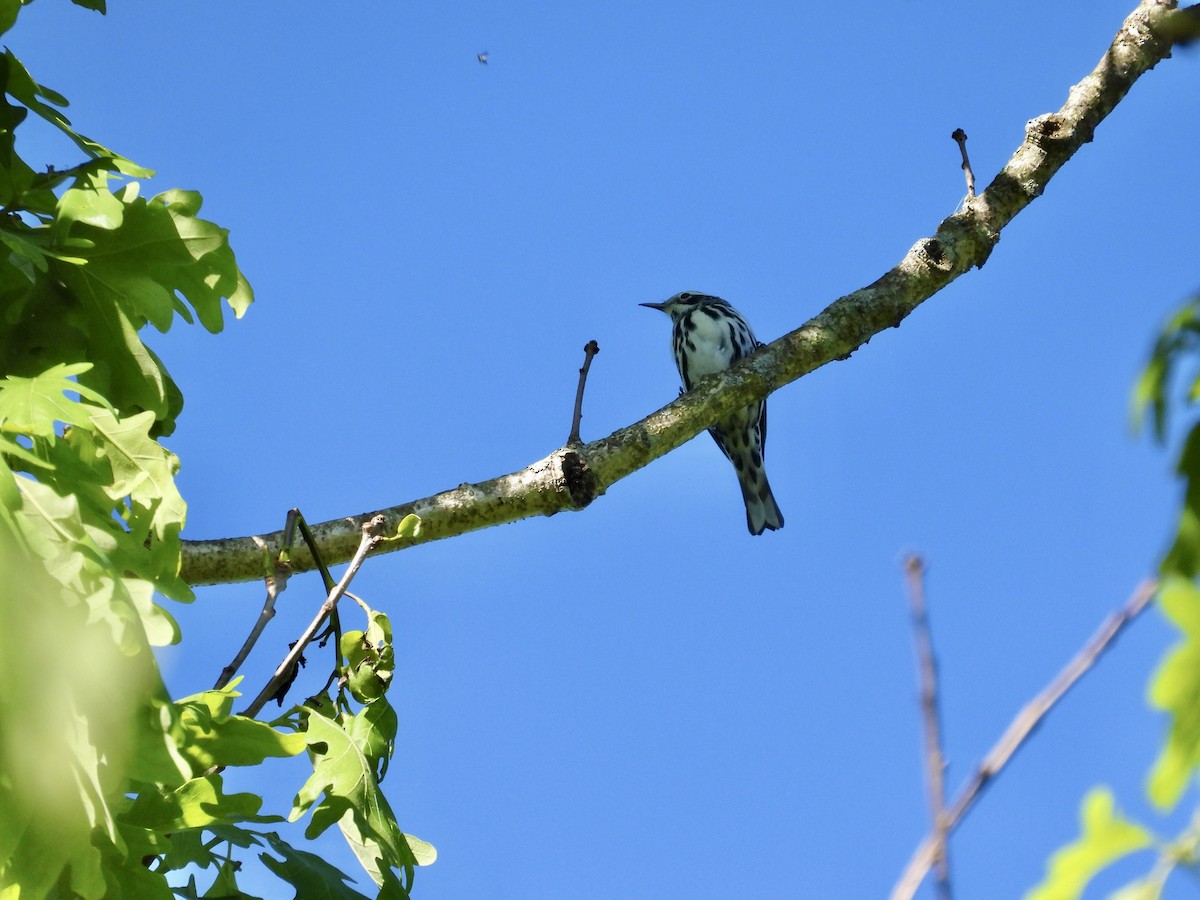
(708, 335)
(482, 57)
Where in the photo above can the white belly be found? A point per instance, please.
(713, 351)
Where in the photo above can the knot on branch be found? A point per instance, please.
(579, 480)
(1046, 131)
(931, 252)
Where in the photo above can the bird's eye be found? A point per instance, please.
(686, 295)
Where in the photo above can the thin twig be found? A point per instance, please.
(1020, 729)
(372, 535)
(335, 622)
(590, 349)
(935, 760)
(960, 137)
(311, 542)
(276, 585)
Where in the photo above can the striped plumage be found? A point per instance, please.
(708, 335)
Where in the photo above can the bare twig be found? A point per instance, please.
(276, 585)
(935, 764)
(372, 535)
(960, 137)
(335, 622)
(1020, 728)
(589, 350)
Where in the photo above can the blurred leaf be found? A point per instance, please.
(1179, 338)
(73, 677)
(1184, 556)
(1175, 689)
(1148, 888)
(1106, 838)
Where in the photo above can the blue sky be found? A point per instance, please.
(640, 700)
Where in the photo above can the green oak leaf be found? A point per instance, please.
(142, 469)
(160, 249)
(197, 803)
(344, 775)
(224, 886)
(89, 202)
(1106, 838)
(373, 731)
(42, 101)
(8, 14)
(35, 406)
(311, 876)
(211, 735)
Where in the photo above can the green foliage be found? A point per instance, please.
(350, 753)
(1175, 689)
(369, 659)
(1106, 838)
(1176, 349)
(1175, 686)
(311, 874)
(109, 787)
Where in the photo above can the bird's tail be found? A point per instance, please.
(762, 512)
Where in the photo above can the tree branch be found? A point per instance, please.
(370, 535)
(960, 137)
(1019, 730)
(589, 350)
(570, 478)
(935, 759)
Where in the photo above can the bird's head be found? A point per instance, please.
(683, 303)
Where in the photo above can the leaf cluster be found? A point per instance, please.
(107, 785)
(350, 752)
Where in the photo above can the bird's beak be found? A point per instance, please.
(661, 307)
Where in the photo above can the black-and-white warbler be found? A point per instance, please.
(708, 335)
